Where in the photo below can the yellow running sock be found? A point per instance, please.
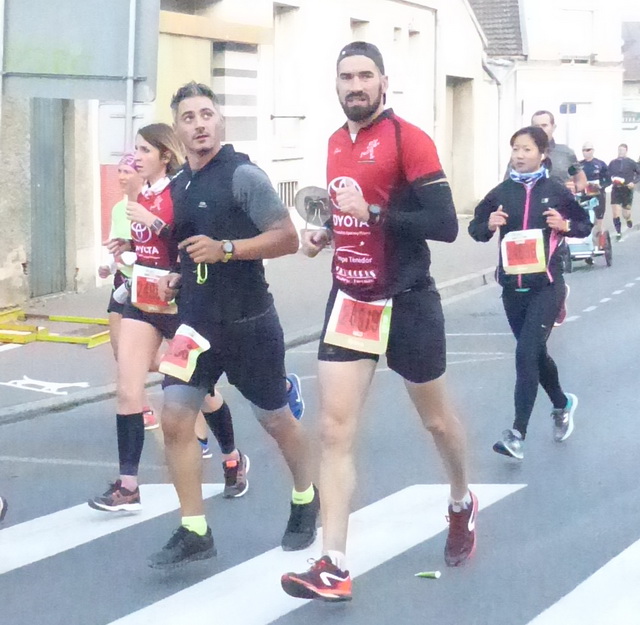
(197, 524)
(303, 497)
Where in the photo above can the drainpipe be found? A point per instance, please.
(131, 59)
(2, 3)
(498, 83)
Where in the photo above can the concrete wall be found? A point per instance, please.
(14, 201)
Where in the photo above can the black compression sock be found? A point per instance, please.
(130, 441)
(222, 427)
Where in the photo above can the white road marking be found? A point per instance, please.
(572, 318)
(590, 309)
(70, 463)
(51, 388)
(47, 536)
(250, 593)
(605, 299)
(629, 284)
(609, 596)
(618, 292)
(9, 346)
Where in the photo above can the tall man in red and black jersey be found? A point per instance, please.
(389, 195)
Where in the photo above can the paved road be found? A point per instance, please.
(550, 533)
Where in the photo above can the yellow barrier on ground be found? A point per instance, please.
(22, 333)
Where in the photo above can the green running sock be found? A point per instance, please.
(303, 497)
(197, 524)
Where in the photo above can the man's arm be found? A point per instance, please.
(432, 216)
(424, 209)
(253, 190)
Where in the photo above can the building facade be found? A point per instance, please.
(560, 55)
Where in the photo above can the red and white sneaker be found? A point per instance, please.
(323, 581)
(461, 541)
(150, 420)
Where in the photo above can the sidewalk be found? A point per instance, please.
(299, 285)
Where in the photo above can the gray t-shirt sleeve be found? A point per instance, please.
(253, 190)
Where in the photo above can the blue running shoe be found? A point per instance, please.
(294, 396)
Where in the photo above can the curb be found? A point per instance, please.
(450, 289)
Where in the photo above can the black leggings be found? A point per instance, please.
(531, 315)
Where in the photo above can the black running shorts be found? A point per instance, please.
(251, 353)
(622, 196)
(417, 345)
(165, 324)
(116, 307)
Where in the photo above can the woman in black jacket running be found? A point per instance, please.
(533, 214)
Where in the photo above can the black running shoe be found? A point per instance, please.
(301, 528)
(183, 547)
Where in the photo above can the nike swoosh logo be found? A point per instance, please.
(472, 518)
(326, 577)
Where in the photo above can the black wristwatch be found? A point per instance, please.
(228, 249)
(375, 213)
(157, 225)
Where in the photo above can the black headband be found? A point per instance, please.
(362, 48)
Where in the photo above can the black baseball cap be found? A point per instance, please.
(362, 48)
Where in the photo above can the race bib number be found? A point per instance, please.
(144, 291)
(523, 252)
(361, 326)
(181, 357)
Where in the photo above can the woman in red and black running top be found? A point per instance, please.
(120, 267)
(145, 323)
(533, 213)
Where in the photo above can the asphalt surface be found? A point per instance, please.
(561, 514)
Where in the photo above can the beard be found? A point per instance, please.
(363, 111)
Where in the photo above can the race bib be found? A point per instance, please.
(181, 357)
(361, 326)
(144, 291)
(593, 188)
(523, 252)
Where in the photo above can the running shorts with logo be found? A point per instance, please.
(417, 344)
(165, 324)
(251, 352)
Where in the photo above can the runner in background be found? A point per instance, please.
(625, 173)
(121, 270)
(598, 179)
(532, 212)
